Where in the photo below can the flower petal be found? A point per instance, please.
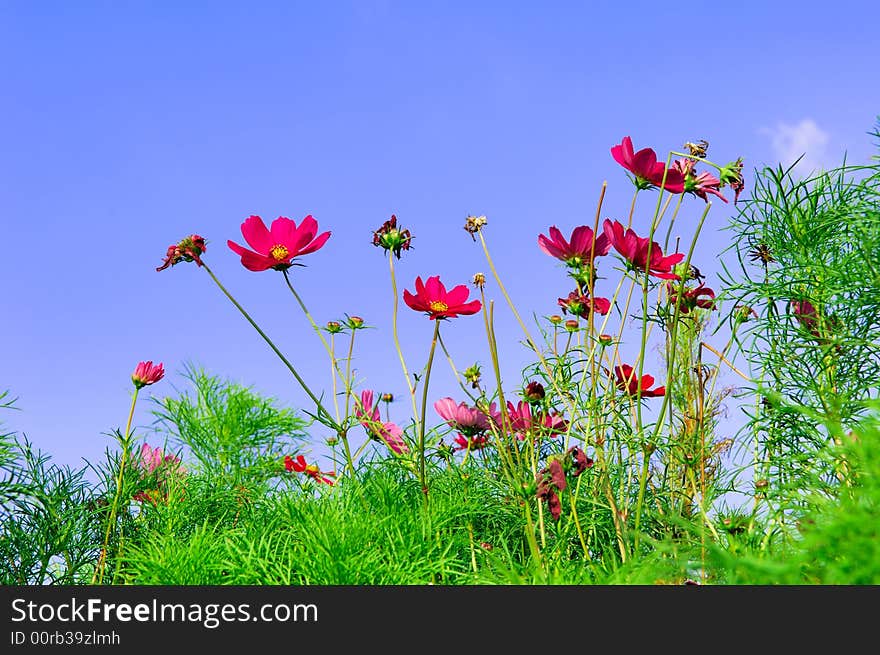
(257, 235)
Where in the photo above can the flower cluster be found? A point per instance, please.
(472, 423)
(157, 472)
(552, 479)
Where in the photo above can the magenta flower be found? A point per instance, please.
(634, 249)
(581, 305)
(807, 315)
(476, 442)
(387, 432)
(432, 297)
(147, 373)
(522, 421)
(626, 380)
(697, 184)
(579, 251)
(277, 246)
(153, 461)
(644, 166)
(550, 481)
(299, 465)
(690, 298)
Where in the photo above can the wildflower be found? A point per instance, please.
(432, 297)
(188, 249)
(299, 465)
(551, 480)
(580, 460)
(277, 246)
(333, 327)
(534, 392)
(806, 314)
(731, 175)
(634, 249)
(156, 469)
(390, 237)
(147, 373)
(355, 322)
(580, 251)
(467, 420)
(581, 305)
(690, 298)
(697, 184)
(387, 432)
(522, 421)
(474, 224)
(644, 166)
(627, 382)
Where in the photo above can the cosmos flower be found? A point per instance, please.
(277, 246)
(432, 297)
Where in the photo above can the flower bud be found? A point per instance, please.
(333, 327)
(534, 392)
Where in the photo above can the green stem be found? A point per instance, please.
(422, 472)
(409, 383)
(321, 409)
(125, 444)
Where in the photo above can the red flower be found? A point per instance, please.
(807, 315)
(432, 297)
(645, 167)
(581, 305)
(550, 480)
(581, 249)
(635, 250)
(147, 373)
(299, 465)
(188, 249)
(690, 298)
(389, 433)
(277, 246)
(626, 380)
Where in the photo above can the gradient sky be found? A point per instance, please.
(129, 125)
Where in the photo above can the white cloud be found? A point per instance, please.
(805, 138)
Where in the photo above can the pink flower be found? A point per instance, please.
(475, 442)
(580, 251)
(627, 382)
(389, 433)
(277, 246)
(634, 249)
(807, 315)
(644, 166)
(147, 373)
(697, 184)
(521, 420)
(152, 462)
(152, 459)
(464, 418)
(432, 297)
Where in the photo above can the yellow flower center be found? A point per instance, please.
(279, 252)
(437, 306)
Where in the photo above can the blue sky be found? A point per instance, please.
(129, 125)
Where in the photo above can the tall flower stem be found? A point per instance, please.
(409, 382)
(320, 407)
(125, 444)
(423, 478)
(308, 315)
